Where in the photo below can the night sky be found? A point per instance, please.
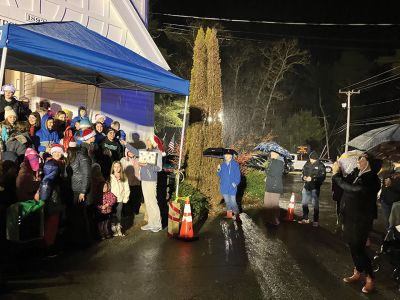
(327, 44)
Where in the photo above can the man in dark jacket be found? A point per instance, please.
(8, 99)
(360, 189)
(313, 175)
(390, 191)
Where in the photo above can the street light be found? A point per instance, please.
(344, 105)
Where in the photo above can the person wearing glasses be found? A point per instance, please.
(360, 189)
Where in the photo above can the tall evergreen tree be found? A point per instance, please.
(197, 100)
(213, 126)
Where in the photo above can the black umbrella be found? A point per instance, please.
(218, 152)
(382, 142)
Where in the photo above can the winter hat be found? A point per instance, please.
(97, 118)
(85, 123)
(8, 112)
(33, 157)
(57, 148)
(313, 155)
(8, 87)
(87, 134)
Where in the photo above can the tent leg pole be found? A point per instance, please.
(3, 64)
(181, 144)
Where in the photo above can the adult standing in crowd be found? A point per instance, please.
(273, 188)
(28, 179)
(60, 123)
(313, 175)
(79, 174)
(7, 99)
(390, 191)
(360, 189)
(148, 176)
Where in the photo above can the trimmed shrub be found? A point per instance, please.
(200, 204)
(255, 186)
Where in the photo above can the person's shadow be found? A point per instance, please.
(240, 192)
(136, 142)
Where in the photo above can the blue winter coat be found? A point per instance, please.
(229, 177)
(78, 117)
(45, 136)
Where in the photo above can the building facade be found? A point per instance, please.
(124, 22)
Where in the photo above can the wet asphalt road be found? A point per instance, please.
(250, 261)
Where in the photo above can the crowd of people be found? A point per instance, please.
(84, 170)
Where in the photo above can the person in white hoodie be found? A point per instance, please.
(120, 188)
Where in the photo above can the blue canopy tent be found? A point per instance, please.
(70, 51)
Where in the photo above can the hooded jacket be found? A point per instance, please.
(229, 175)
(45, 136)
(78, 117)
(49, 190)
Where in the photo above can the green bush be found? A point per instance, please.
(255, 186)
(199, 202)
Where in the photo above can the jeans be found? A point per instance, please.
(306, 197)
(230, 201)
(118, 213)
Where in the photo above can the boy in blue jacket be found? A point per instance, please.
(229, 173)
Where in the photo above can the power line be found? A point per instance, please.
(377, 103)
(369, 78)
(275, 22)
(380, 82)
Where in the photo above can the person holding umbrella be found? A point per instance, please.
(360, 189)
(229, 174)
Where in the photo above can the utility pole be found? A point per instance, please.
(325, 123)
(349, 94)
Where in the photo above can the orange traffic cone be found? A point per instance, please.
(290, 210)
(186, 233)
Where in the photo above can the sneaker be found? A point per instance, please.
(315, 224)
(146, 227)
(304, 221)
(156, 229)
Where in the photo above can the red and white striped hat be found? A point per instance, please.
(87, 134)
(57, 148)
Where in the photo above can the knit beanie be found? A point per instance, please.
(33, 158)
(313, 155)
(84, 123)
(8, 87)
(8, 112)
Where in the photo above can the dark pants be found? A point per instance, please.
(135, 198)
(77, 223)
(360, 257)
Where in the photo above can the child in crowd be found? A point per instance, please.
(120, 188)
(10, 117)
(105, 209)
(119, 133)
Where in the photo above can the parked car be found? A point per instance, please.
(259, 162)
(299, 161)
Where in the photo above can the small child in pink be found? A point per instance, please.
(105, 209)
